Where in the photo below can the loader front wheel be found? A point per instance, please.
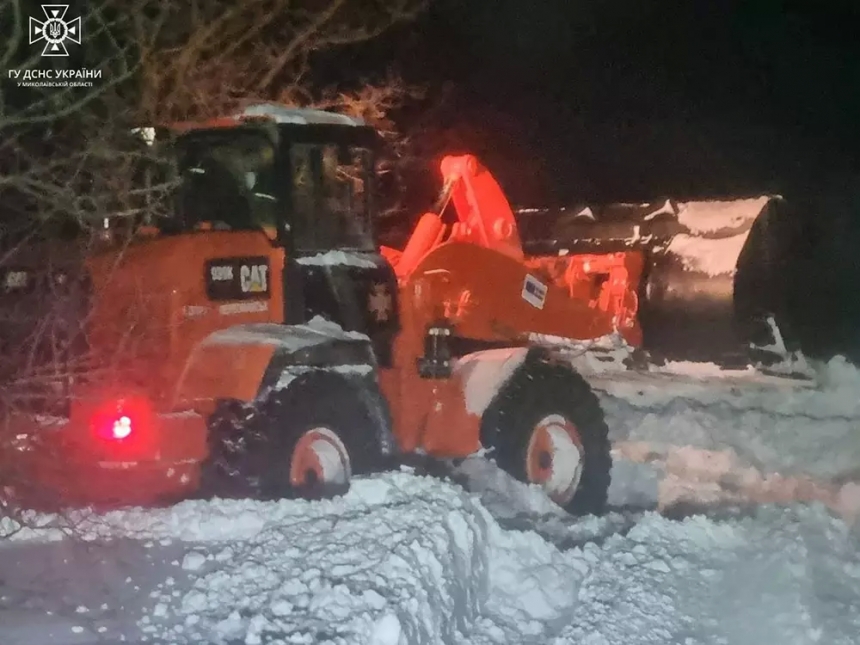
(546, 427)
(554, 457)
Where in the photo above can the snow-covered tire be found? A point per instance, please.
(320, 433)
(546, 426)
(321, 424)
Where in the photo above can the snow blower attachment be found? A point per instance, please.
(712, 282)
(699, 281)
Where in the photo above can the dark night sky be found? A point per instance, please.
(628, 99)
(615, 100)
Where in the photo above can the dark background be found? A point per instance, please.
(615, 100)
(631, 99)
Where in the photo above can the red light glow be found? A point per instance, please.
(122, 427)
(122, 420)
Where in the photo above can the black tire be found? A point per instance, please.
(251, 447)
(313, 400)
(232, 439)
(540, 388)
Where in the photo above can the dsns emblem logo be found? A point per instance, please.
(55, 30)
(379, 302)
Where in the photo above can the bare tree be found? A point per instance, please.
(68, 156)
(203, 59)
(208, 59)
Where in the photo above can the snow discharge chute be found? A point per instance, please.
(714, 271)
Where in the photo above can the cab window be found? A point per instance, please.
(331, 208)
(228, 179)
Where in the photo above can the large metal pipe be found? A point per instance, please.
(714, 269)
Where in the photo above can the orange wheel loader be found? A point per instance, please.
(259, 342)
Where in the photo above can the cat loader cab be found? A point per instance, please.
(253, 302)
(306, 178)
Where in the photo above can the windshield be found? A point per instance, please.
(228, 179)
(331, 197)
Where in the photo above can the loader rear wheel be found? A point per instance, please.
(320, 457)
(306, 441)
(321, 434)
(546, 427)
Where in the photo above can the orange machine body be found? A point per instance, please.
(499, 292)
(473, 274)
(150, 326)
(151, 309)
(148, 320)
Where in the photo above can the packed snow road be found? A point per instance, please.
(413, 560)
(404, 559)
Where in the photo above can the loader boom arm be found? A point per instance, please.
(606, 282)
(484, 215)
(485, 218)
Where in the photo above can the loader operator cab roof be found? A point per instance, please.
(308, 175)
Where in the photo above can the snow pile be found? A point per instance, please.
(712, 216)
(781, 576)
(818, 446)
(405, 560)
(842, 379)
(398, 560)
(712, 257)
(716, 436)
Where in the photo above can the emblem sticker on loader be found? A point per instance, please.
(534, 291)
(237, 278)
(379, 302)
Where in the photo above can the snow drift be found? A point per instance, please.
(710, 435)
(406, 560)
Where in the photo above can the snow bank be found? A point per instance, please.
(821, 447)
(399, 560)
(405, 560)
(779, 426)
(780, 576)
(712, 216)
